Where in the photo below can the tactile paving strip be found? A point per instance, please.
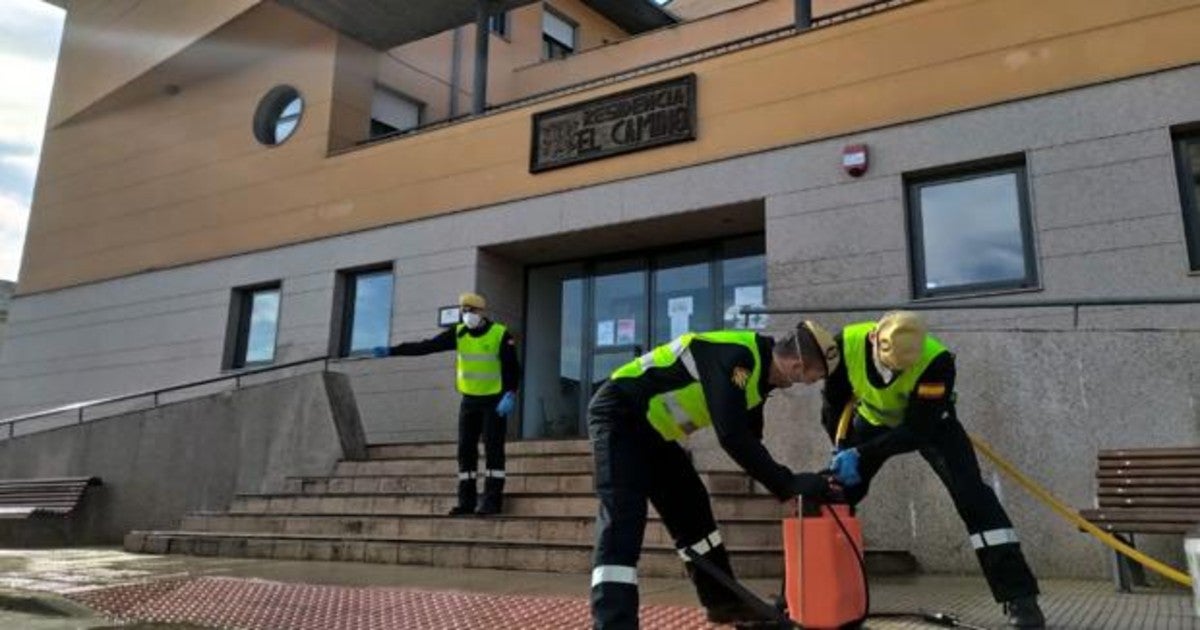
(264, 605)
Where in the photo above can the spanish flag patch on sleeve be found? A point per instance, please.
(931, 391)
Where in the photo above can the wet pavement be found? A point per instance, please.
(119, 588)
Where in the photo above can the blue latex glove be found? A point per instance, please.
(380, 352)
(506, 404)
(845, 467)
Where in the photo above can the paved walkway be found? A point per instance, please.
(257, 594)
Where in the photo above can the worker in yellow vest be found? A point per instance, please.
(488, 377)
(636, 421)
(902, 380)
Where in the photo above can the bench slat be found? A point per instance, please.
(1143, 515)
(1108, 473)
(1168, 483)
(1142, 464)
(1183, 451)
(1146, 528)
(1127, 501)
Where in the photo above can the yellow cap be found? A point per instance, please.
(474, 300)
(900, 339)
(833, 356)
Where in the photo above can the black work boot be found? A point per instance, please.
(737, 613)
(493, 496)
(466, 498)
(1024, 612)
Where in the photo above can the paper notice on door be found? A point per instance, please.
(605, 333)
(679, 310)
(680, 325)
(626, 332)
(679, 306)
(748, 296)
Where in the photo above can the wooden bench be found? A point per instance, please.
(29, 500)
(1145, 491)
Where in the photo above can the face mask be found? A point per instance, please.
(472, 320)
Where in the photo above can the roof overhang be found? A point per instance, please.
(633, 16)
(386, 24)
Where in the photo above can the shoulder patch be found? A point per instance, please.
(931, 391)
(741, 377)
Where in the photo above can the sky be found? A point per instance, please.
(30, 31)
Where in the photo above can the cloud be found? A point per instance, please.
(14, 214)
(31, 28)
(29, 40)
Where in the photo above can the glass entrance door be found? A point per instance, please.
(618, 321)
(585, 319)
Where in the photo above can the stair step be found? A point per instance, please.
(717, 482)
(532, 530)
(656, 560)
(450, 449)
(425, 504)
(522, 464)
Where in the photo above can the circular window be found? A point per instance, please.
(278, 115)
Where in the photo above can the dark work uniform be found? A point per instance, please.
(931, 427)
(635, 463)
(476, 415)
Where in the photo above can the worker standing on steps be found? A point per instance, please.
(903, 381)
(488, 377)
(635, 422)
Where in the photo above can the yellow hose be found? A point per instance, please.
(1071, 515)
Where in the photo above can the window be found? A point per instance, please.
(970, 231)
(254, 322)
(498, 24)
(744, 283)
(278, 115)
(1187, 156)
(364, 320)
(558, 35)
(392, 113)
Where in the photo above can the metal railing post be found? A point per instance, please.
(803, 15)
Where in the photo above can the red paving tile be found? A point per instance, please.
(263, 605)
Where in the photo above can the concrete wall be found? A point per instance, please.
(158, 464)
(1042, 388)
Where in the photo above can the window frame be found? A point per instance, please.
(499, 25)
(551, 41)
(346, 290)
(394, 131)
(240, 316)
(914, 183)
(1187, 175)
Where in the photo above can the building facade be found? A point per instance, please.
(246, 184)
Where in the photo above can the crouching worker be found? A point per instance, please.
(635, 422)
(903, 381)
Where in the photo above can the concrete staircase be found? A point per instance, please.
(391, 508)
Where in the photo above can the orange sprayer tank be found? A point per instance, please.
(824, 580)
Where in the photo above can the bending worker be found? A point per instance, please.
(488, 376)
(635, 422)
(903, 381)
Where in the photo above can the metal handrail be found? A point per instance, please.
(1073, 303)
(80, 407)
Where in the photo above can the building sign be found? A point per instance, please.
(648, 116)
